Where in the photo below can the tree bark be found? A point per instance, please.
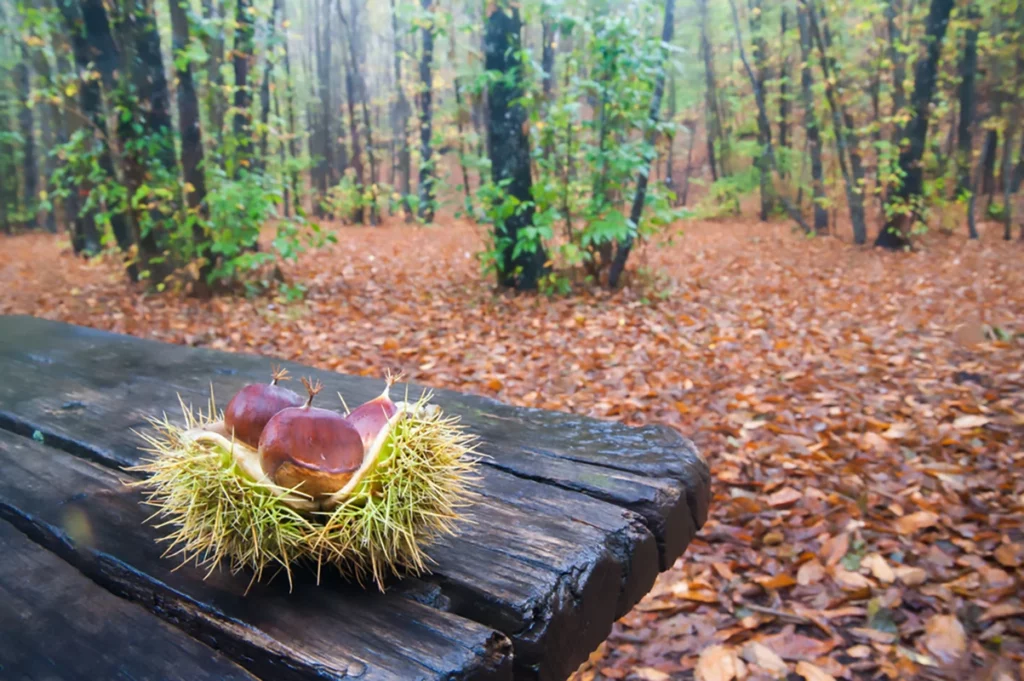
(26, 126)
(893, 11)
(713, 122)
(509, 150)
(191, 141)
(400, 124)
(268, 74)
(813, 132)
(293, 143)
(49, 122)
(783, 80)
(355, 81)
(670, 181)
(894, 234)
(459, 113)
(650, 136)
(241, 124)
(968, 70)
(427, 174)
(763, 123)
(356, 159)
(764, 127)
(847, 144)
(215, 101)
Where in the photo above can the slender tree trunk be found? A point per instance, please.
(355, 80)
(243, 55)
(650, 136)
(1006, 175)
(85, 241)
(811, 125)
(846, 138)
(49, 122)
(268, 74)
(427, 174)
(509, 150)
(459, 113)
(670, 182)
(968, 70)
(989, 150)
(905, 197)
(764, 127)
(358, 214)
(713, 124)
(548, 66)
(783, 80)
(401, 124)
(894, 11)
(191, 141)
(293, 142)
(770, 162)
(26, 126)
(215, 100)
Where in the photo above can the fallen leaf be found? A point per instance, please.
(1010, 555)
(909, 524)
(784, 497)
(792, 646)
(850, 581)
(1001, 610)
(765, 658)
(779, 581)
(834, 548)
(910, 576)
(719, 663)
(810, 572)
(970, 421)
(649, 674)
(812, 673)
(879, 568)
(944, 637)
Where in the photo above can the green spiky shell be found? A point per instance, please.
(216, 514)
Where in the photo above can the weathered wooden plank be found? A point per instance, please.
(84, 514)
(652, 471)
(59, 625)
(554, 580)
(84, 390)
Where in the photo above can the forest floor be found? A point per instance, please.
(862, 412)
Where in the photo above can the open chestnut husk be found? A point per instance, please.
(367, 492)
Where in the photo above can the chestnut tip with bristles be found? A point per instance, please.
(373, 416)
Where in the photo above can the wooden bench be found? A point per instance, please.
(578, 517)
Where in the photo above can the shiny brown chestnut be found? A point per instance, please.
(254, 405)
(371, 418)
(315, 451)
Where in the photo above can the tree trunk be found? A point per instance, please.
(49, 122)
(215, 102)
(670, 181)
(191, 140)
(988, 153)
(713, 123)
(689, 166)
(293, 142)
(846, 138)
(905, 197)
(26, 126)
(242, 60)
(354, 76)
(893, 11)
(459, 113)
(400, 124)
(770, 162)
(427, 175)
(650, 136)
(148, 140)
(764, 127)
(358, 213)
(547, 63)
(968, 69)
(1006, 175)
(811, 125)
(268, 74)
(783, 80)
(509, 150)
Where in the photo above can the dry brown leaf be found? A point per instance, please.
(813, 673)
(1010, 555)
(910, 576)
(649, 674)
(969, 421)
(719, 663)
(834, 548)
(850, 581)
(909, 524)
(945, 638)
(810, 572)
(765, 658)
(879, 568)
(784, 497)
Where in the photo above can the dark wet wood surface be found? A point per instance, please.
(577, 518)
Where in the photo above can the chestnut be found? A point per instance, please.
(314, 451)
(254, 405)
(371, 418)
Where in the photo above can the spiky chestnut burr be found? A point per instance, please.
(311, 450)
(212, 491)
(252, 407)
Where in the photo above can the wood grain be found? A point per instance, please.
(575, 510)
(58, 625)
